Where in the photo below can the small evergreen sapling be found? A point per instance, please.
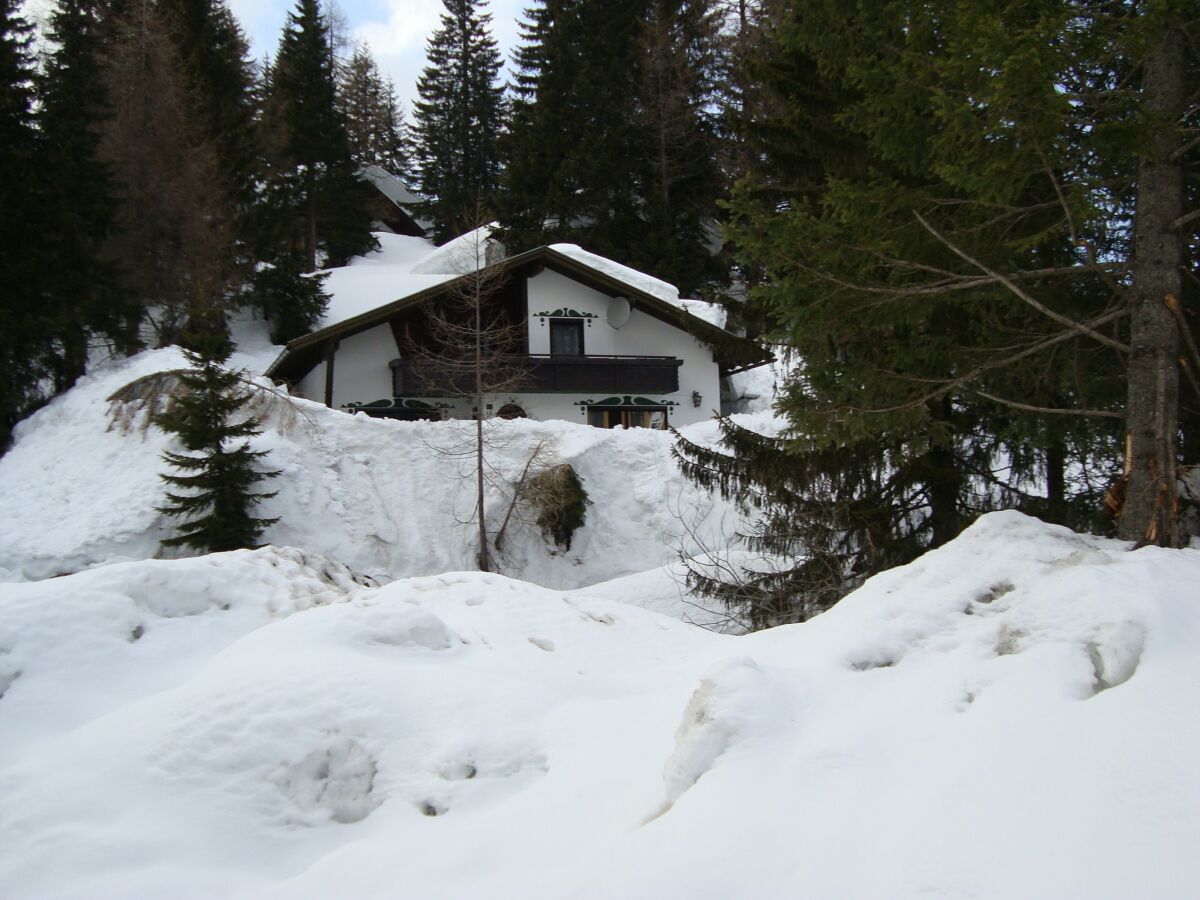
(215, 485)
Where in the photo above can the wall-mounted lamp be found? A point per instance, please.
(696, 398)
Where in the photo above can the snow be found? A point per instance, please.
(351, 487)
(354, 290)
(349, 713)
(1011, 715)
(395, 250)
(460, 256)
(655, 287)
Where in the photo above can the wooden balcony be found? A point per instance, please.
(538, 374)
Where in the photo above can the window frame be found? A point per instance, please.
(614, 416)
(575, 325)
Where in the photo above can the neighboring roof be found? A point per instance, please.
(398, 192)
(365, 294)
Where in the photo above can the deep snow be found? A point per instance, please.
(77, 491)
(1012, 715)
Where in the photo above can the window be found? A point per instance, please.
(566, 337)
(630, 417)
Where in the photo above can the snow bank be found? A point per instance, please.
(76, 492)
(464, 254)
(1012, 715)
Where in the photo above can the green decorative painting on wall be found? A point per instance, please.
(565, 313)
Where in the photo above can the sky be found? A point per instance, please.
(395, 30)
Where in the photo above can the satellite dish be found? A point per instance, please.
(619, 311)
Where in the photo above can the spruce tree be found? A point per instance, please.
(213, 489)
(24, 330)
(308, 146)
(84, 296)
(941, 239)
(612, 144)
(292, 301)
(458, 118)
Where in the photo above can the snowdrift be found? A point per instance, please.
(391, 499)
(1012, 715)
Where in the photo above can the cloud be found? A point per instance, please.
(397, 39)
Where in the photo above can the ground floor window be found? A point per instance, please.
(511, 411)
(629, 416)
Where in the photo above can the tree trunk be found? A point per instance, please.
(943, 480)
(310, 225)
(1056, 482)
(1152, 410)
(484, 560)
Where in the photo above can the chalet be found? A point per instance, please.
(590, 340)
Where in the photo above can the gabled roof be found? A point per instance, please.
(422, 282)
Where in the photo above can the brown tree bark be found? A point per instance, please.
(1152, 416)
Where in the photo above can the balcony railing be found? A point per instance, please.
(541, 374)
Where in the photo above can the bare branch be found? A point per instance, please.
(983, 368)
(1076, 327)
(1185, 219)
(1093, 413)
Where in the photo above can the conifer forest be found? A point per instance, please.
(971, 231)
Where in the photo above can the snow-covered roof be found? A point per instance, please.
(391, 187)
(656, 287)
(464, 254)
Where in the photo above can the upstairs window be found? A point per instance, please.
(566, 337)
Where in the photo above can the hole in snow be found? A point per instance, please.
(428, 808)
(7, 679)
(339, 779)
(1115, 654)
(459, 771)
(136, 634)
(865, 665)
(995, 592)
(1008, 641)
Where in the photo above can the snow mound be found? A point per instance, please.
(1011, 715)
(462, 255)
(351, 487)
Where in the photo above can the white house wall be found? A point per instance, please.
(362, 375)
(642, 335)
(360, 369)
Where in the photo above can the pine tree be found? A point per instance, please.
(374, 117)
(83, 295)
(214, 490)
(23, 326)
(219, 76)
(308, 146)
(216, 61)
(173, 235)
(458, 118)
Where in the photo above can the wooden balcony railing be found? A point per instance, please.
(542, 374)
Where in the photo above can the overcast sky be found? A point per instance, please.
(395, 30)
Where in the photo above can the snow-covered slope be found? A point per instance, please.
(1012, 715)
(390, 499)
